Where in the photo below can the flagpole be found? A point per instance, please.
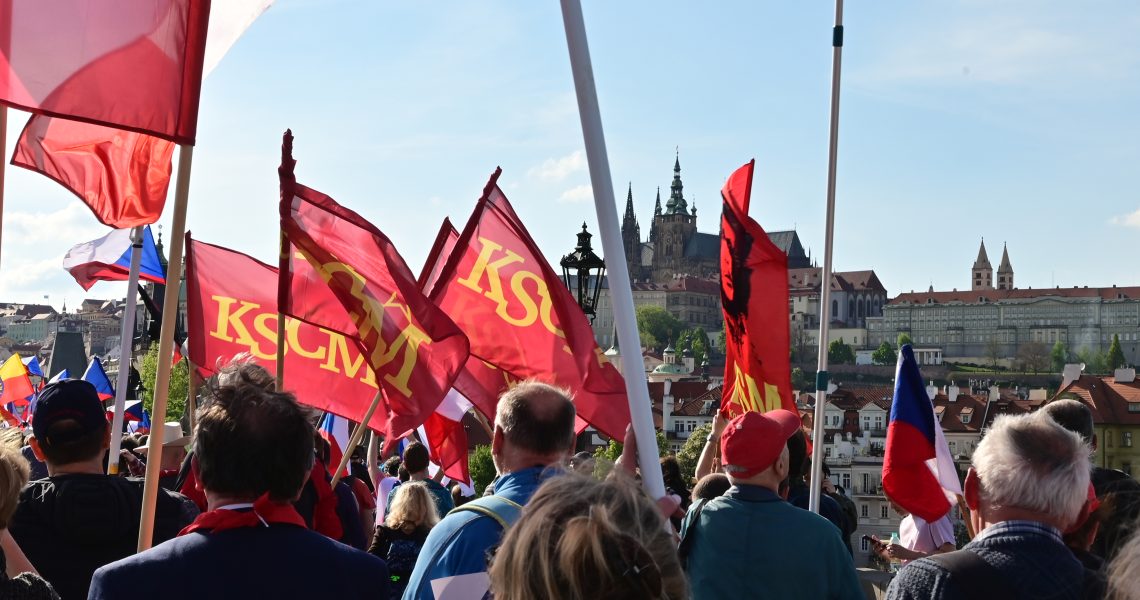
(821, 378)
(284, 260)
(625, 320)
(357, 434)
(192, 395)
(165, 346)
(126, 345)
(3, 163)
(374, 458)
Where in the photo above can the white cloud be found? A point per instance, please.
(557, 169)
(574, 195)
(1131, 219)
(69, 225)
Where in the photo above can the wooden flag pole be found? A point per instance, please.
(126, 345)
(284, 260)
(821, 379)
(357, 434)
(192, 394)
(625, 320)
(165, 346)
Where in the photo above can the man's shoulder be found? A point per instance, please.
(922, 578)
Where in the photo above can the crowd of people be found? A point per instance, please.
(251, 509)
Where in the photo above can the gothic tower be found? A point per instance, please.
(982, 274)
(631, 236)
(1005, 271)
(673, 230)
(656, 213)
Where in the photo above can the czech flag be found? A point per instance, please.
(335, 431)
(109, 259)
(32, 363)
(96, 376)
(918, 471)
(15, 386)
(64, 374)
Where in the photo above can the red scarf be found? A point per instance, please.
(264, 512)
(325, 518)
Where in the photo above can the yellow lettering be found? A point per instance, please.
(293, 341)
(269, 332)
(232, 319)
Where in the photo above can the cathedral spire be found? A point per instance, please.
(629, 215)
(656, 213)
(630, 230)
(677, 204)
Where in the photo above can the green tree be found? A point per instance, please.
(606, 456)
(839, 353)
(1094, 360)
(722, 342)
(657, 326)
(1059, 355)
(179, 385)
(482, 468)
(993, 352)
(799, 379)
(1115, 357)
(904, 338)
(884, 354)
(690, 453)
(695, 341)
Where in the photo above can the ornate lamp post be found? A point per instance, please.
(583, 271)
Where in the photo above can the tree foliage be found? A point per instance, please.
(179, 385)
(799, 379)
(606, 456)
(1059, 356)
(1033, 356)
(884, 354)
(695, 341)
(657, 327)
(1115, 357)
(993, 352)
(904, 338)
(1094, 360)
(690, 453)
(839, 353)
(482, 468)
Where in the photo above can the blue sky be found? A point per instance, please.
(1014, 121)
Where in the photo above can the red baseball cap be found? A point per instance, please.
(753, 441)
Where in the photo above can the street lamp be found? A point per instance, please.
(585, 266)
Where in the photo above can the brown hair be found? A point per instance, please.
(542, 432)
(14, 473)
(583, 538)
(251, 439)
(85, 446)
(413, 506)
(416, 457)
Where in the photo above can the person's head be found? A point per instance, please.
(252, 440)
(582, 463)
(1028, 467)
(412, 507)
(174, 444)
(797, 456)
(128, 443)
(710, 486)
(1074, 416)
(457, 496)
(671, 473)
(754, 447)
(1124, 571)
(14, 473)
(534, 425)
(416, 458)
(583, 538)
(70, 427)
(392, 466)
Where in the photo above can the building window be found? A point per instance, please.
(953, 447)
(883, 511)
(879, 422)
(863, 543)
(965, 418)
(846, 478)
(1126, 439)
(679, 426)
(863, 510)
(827, 452)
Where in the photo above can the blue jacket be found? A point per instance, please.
(279, 561)
(749, 543)
(458, 545)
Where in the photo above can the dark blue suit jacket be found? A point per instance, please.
(279, 561)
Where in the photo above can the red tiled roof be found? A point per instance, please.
(681, 284)
(1108, 400)
(801, 281)
(971, 296)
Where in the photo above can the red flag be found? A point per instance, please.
(414, 348)
(135, 65)
(121, 175)
(440, 251)
(754, 294)
(521, 320)
(231, 308)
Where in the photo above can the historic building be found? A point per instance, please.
(985, 321)
(1115, 405)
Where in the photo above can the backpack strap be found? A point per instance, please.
(973, 576)
(502, 510)
(686, 544)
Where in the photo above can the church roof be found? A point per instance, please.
(67, 353)
(703, 245)
(983, 260)
(1005, 267)
(847, 281)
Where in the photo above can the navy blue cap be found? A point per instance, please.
(73, 399)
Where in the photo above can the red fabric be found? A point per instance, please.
(754, 295)
(325, 519)
(906, 477)
(445, 242)
(363, 495)
(448, 446)
(413, 347)
(231, 308)
(135, 65)
(122, 176)
(16, 389)
(521, 320)
(9, 418)
(192, 490)
(264, 512)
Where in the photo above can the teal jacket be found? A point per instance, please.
(749, 543)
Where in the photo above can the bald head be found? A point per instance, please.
(537, 418)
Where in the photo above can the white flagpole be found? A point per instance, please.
(821, 379)
(165, 346)
(126, 344)
(3, 161)
(625, 320)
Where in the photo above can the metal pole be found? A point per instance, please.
(636, 388)
(126, 345)
(3, 161)
(165, 347)
(821, 379)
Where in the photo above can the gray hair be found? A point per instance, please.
(1124, 571)
(1032, 463)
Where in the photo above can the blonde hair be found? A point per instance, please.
(14, 473)
(1124, 571)
(412, 506)
(583, 538)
